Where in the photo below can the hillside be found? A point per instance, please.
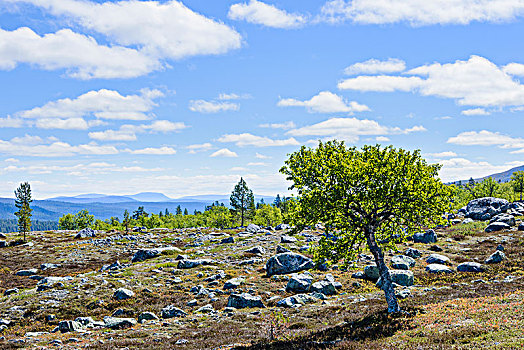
(504, 176)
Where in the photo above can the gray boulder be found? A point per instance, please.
(244, 300)
(427, 237)
(324, 287)
(470, 267)
(252, 228)
(438, 268)
(258, 250)
(11, 291)
(496, 257)
(285, 263)
(485, 208)
(86, 233)
(505, 218)
(437, 259)
(413, 253)
(521, 227)
(123, 294)
(147, 316)
(189, 264)
(227, 240)
(400, 277)
(28, 272)
(497, 226)
(144, 254)
(297, 300)
(371, 272)
(172, 311)
(280, 227)
(233, 283)
(287, 239)
(119, 323)
(402, 262)
(70, 326)
(299, 283)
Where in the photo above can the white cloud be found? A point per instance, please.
(203, 106)
(258, 12)
(224, 152)
(113, 135)
(10, 122)
(257, 164)
(11, 160)
(382, 139)
(261, 156)
(475, 82)
(163, 126)
(247, 139)
(455, 169)
(95, 168)
(514, 69)
(199, 147)
(325, 102)
(284, 126)
(166, 30)
(238, 168)
(374, 66)
(381, 83)
(154, 151)
(66, 124)
(103, 104)
(350, 129)
(475, 111)
(81, 56)
(418, 13)
(34, 146)
(486, 138)
(233, 96)
(445, 154)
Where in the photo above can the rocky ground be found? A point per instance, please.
(460, 287)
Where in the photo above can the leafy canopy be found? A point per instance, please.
(390, 192)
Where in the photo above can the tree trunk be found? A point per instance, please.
(387, 285)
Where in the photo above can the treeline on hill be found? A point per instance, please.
(511, 191)
(215, 215)
(11, 225)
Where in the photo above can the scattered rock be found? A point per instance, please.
(285, 263)
(470, 267)
(401, 277)
(252, 228)
(280, 227)
(11, 291)
(287, 239)
(429, 236)
(172, 311)
(123, 293)
(258, 250)
(496, 258)
(299, 283)
(437, 259)
(413, 253)
(324, 287)
(244, 300)
(402, 262)
(147, 316)
(189, 264)
(297, 300)
(28, 272)
(505, 218)
(438, 268)
(281, 249)
(144, 254)
(435, 248)
(70, 326)
(119, 323)
(497, 226)
(227, 240)
(233, 283)
(86, 233)
(485, 208)
(371, 272)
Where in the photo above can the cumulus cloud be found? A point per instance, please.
(154, 151)
(94, 168)
(258, 12)
(350, 129)
(204, 106)
(374, 66)
(325, 102)
(233, 96)
(66, 124)
(284, 126)
(475, 82)
(261, 156)
(128, 132)
(10, 122)
(486, 138)
(247, 139)
(102, 104)
(445, 154)
(419, 13)
(224, 152)
(167, 29)
(113, 135)
(455, 169)
(80, 55)
(199, 147)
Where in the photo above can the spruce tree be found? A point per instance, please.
(22, 202)
(242, 200)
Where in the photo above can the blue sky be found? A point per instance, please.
(183, 98)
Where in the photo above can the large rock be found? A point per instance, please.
(413, 253)
(241, 301)
(147, 316)
(123, 294)
(427, 237)
(285, 263)
(28, 272)
(497, 226)
(324, 287)
(485, 208)
(299, 283)
(144, 254)
(189, 264)
(402, 262)
(437, 259)
(86, 233)
(258, 250)
(233, 283)
(438, 268)
(400, 277)
(252, 228)
(119, 323)
(282, 227)
(505, 218)
(470, 267)
(70, 326)
(297, 300)
(496, 258)
(171, 311)
(287, 239)
(371, 272)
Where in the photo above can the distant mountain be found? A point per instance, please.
(93, 199)
(223, 198)
(504, 176)
(150, 197)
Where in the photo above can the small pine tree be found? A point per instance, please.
(179, 210)
(126, 220)
(278, 202)
(186, 212)
(517, 182)
(22, 202)
(242, 200)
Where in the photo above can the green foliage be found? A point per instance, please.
(242, 200)
(22, 202)
(487, 188)
(11, 225)
(517, 182)
(383, 193)
(127, 220)
(218, 216)
(267, 215)
(81, 220)
(67, 222)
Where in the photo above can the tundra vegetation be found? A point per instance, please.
(308, 272)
